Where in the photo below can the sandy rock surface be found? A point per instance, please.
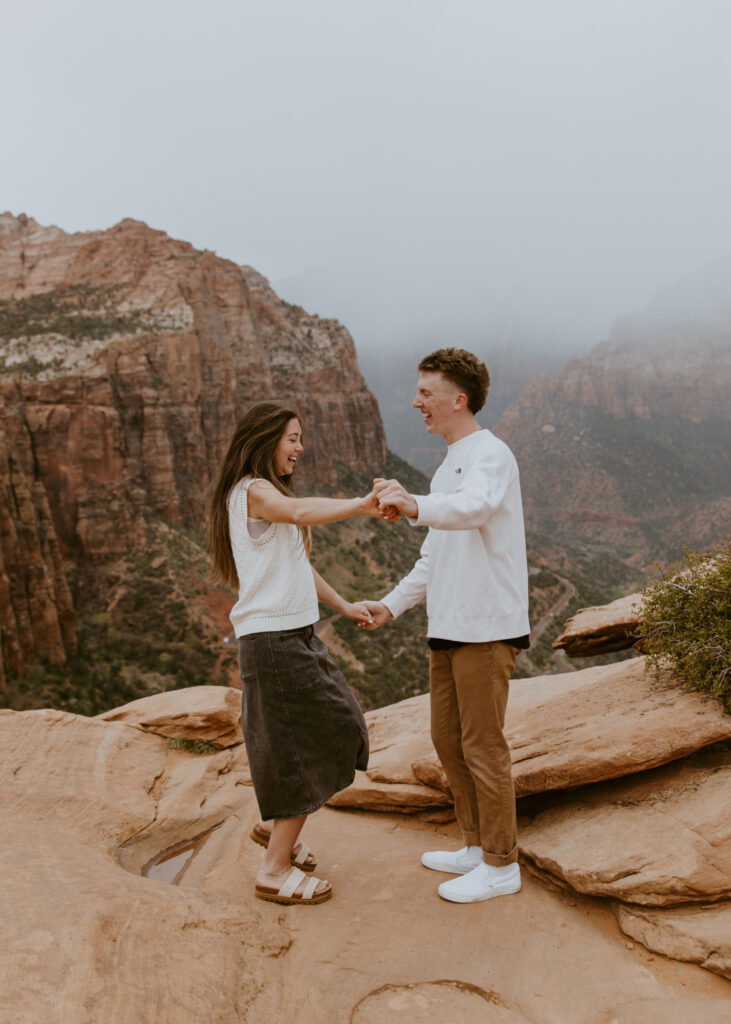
(211, 713)
(87, 804)
(674, 1011)
(657, 839)
(564, 731)
(84, 939)
(599, 630)
(701, 934)
(386, 948)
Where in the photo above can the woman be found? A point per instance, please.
(304, 731)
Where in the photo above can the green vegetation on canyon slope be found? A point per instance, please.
(151, 621)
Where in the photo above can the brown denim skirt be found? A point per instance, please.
(302, 724)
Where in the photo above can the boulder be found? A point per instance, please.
(700, 934)
(209, 713)
(599, 630)
(658, 839)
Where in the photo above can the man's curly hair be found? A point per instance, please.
(463, 369)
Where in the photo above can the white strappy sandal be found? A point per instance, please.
(261, 836)
(286, 894)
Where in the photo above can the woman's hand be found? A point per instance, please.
(359, 613)
(372, 508)
(370, 505)
(380, 614)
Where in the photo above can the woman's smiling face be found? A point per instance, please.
(288, 449)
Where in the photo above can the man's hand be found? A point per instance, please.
(379, 614)
(392, 494)
(389, 513)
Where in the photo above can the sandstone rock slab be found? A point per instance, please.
(75, 772)
(658, 839)
(84, 939)
(542, 957)
(393, 798)
(400, 747)
(602, 723)
(602, 629)
(701, 935)
(210, 713)
(194, 796)
(564, 731)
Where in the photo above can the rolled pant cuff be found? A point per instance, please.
(471, 838)
(497, 860)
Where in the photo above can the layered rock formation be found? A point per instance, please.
(612, 627)
(207, 714)
(127, 357)
(564, 731)
(35, 602)
(660, 839)
(630, 446)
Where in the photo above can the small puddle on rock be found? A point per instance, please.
(171, 865)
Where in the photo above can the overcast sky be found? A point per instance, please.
(402, 164)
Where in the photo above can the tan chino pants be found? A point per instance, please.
(469, 695)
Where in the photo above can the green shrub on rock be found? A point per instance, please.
(687, 622)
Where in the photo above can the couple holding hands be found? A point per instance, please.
(304, 732)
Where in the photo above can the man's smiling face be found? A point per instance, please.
(437, 400)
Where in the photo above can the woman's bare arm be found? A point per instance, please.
(329, 596)
(266, 502)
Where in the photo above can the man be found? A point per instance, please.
(473, 574)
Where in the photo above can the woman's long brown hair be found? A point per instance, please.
(250, 453)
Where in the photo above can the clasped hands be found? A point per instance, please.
(393, 500)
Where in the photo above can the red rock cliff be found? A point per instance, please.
(127, 357)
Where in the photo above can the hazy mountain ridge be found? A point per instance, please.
(631, 444)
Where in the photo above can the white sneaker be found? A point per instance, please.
(455, 863)
(482, 883)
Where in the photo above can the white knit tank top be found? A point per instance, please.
(276, 586)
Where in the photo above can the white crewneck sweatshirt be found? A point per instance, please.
(472, 570)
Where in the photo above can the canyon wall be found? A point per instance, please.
(127, 357)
